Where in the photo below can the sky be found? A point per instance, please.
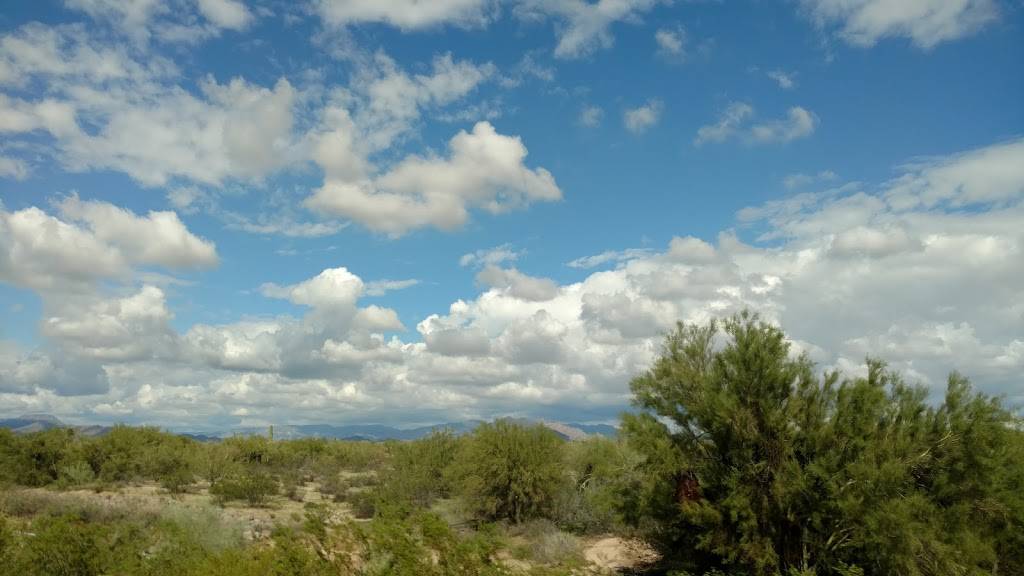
(231, 213)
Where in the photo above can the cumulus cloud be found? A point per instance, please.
(332, 288)
(639, 120)
(616, 256)
(96, 240)
(926, 23)
(226, 13)
(382, 287)
(490, 256)
(160, 238)
(143, 20)
(800, 179)
(591, 116)
(484, 169)
(103, 109)
(671, 42)
(106, 110)
(735, 122)
(32, 375)
(131, 16)
(728, 124)
(14, 168)
(583, 27)
(134, 327)
(390, 100)
(785, 80)
(517, 284)
(405, 14)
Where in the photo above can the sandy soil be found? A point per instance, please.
(616, 554)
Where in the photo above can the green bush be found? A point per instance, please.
(76, 474)
(335, 486)
(62, 546)
(767, 468)
(510, 471)
(418, 473)
(253, 486)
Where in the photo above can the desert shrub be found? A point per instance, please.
(77, 473)
(768, 468)
(7, 541)
(205, 525)
(424, 544)
(173, 467)
(547, 544)
(34, 459)
(419, 471)
(510, 471)
(251, 485)
(62, 546)
(293, 556)
(335, 486)
(292, 490)
(357, 456)
(598, 471)
(364, 504)
(214, 461)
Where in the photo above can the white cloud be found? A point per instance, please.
(799, 123)
(616, 256)
(583, 26)
(484, 169)
(847, 272)
(142, 20)
(785, 80)
(30, 376)
(135, 327)
(405, 14)
(732, 118)
(231, 14)
(14, 168)
(490, 256)
(735, 121)
(639, 120)
(799, 179)
(159, 238)
(382, 287)
(237, 131)
(925, 22)
(671, 42)
(591, 116)
(131, 16)
(391, 101)
(105, 110)
(991, 174)
(517, 284)
(46, 253)
(332, 288)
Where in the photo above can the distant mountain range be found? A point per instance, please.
(570, 431)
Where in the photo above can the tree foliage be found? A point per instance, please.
(510, 471)
(757, 465)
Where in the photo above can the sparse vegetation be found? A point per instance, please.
(739, 459)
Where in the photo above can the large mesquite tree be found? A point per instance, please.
(757, 465)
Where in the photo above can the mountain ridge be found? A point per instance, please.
(370, 432)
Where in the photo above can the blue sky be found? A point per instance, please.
(221, 213)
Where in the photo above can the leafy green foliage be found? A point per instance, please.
(758, 465)
(510, 471)
(252, 485)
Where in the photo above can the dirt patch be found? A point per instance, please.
(150, 499)
(614, 553)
